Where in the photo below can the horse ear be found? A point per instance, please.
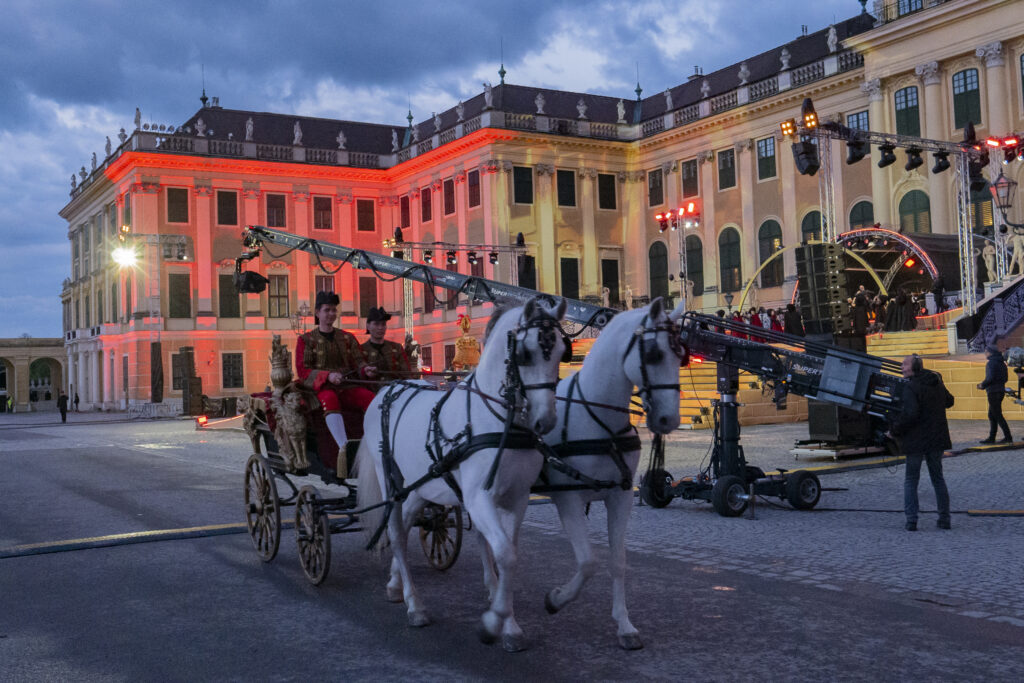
(656, 306)
(560, 309)
(530, 308)
(677, 313)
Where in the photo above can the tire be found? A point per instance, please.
(725, 496)
(803, 489)
(312, 535)
(262, 507)
(441, 535)
(655, 488)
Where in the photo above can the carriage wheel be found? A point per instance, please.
(655, 488)
(441, 535)
(262, 508)
(313, 536)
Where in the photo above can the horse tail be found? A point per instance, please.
(369, 494)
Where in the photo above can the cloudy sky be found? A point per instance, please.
(72, 73)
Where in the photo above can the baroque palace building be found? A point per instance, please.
(580, 176)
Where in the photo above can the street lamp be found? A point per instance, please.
(1003, 190)
(728, 300)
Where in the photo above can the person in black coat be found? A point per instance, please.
(792, 322)
(923, 434)
(62, 406)
(860, 315)
(994, 385)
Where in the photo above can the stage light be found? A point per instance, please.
(124, 256)
(788, 127)
(805, 154)
(856, 150)
(909, 263)
(914, 159)
(663, 221)
(888, 155)
(493, 258)
(471, 257)
(941, 162)
(994, 142)
(428, 256)
(452, 257)
(810, 116)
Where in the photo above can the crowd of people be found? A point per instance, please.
(872, 312)
(789, 321)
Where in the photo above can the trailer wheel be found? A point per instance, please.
(654, 488)
(727, 496)
(803, 489)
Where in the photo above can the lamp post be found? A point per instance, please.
(728, 300)
(1003, 190)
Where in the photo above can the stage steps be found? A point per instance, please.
(896, 345)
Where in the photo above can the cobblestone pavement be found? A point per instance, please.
(854, 539)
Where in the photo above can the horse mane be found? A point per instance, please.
(499, 310)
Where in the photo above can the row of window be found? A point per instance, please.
(565, 188)
(966, 102)
(232, 372)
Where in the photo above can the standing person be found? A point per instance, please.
(325, 358)
(860, 315)
(76, 401)
(774, 323)
(939, 292)
(388, 357)
(792, 322)
(994, 386)
(755, 321)
(62, 405)
(923, 433)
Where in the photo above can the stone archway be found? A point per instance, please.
(45, 380)
(19, 357)
(6, 383)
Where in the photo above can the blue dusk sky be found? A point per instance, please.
(72, 73)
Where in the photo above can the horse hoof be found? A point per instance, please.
(486, 637)
(549, 604)
(394, 594)
(418, 619)
(513, 643)
(631, 641)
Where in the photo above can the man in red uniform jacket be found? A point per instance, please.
(324, 358)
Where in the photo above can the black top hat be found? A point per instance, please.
(325, 299)
(378, 315)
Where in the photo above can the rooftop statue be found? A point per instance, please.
(249, 126)
(297, 130)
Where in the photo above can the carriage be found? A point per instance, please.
(290, 440)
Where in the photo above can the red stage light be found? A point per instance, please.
(993, 142)
(910, 263)
(1011, 141)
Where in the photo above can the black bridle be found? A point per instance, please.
(513, 388)
(645, 339)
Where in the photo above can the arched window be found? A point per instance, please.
(657, 258)
(729, 260)
(769, 241)
(915, 213)
(810, 228)
(966, 98)
(981, 212)
(908, 118)
(695, 263)
(862, 215)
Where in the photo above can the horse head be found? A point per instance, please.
(537, 345)
(652, 363)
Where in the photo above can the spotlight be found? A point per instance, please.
(994, 142)
(1010, 154)
(941, 162)
(975, 168)
(788, 127)
(493, 258)
(856, 150)
(810, 116)
(452, 257)
(181, 252)
(888, 155)
(663, 220)
(471, 257)
(909, 263)
(805, 154)
(914, 159)
(428, 256)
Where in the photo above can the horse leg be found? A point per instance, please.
(571, 512)
(394, 588)
(490, 571)
(498, 529)
(618, 504)
(399, 535)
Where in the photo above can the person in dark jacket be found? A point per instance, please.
(62, 406)
(792, 322)
(994, 386)
(923, 433)
(860, 315)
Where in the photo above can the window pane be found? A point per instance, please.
(426, 208)
(729, 260)
(862, 215)
(177, 205)
(473, 187)
(566, 188)
(570, 278)
(367, 295)
(908, 120)
(766, 158)
(324, 283)
(365, 215)
(691, 184)
(657, 258)
(449, 197)
(177, 371)
(655, 191)
(810, 228)
(522, 182)
(228, 297)
(915, 214)
(858, 120)
(277, 298)
(179, 295)
(227, 208)
(695, 264)
(726, 169)
(405, 219)
(606, 191)
(769, 241)
(966, 98)
(610, 279)
(275, 211)
(231, 370)
(323, 218)
(527, 271)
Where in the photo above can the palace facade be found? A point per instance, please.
(580, 176)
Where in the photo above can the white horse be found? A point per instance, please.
(638, 348)
(512, 386)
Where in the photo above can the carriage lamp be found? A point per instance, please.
(1003, 191)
